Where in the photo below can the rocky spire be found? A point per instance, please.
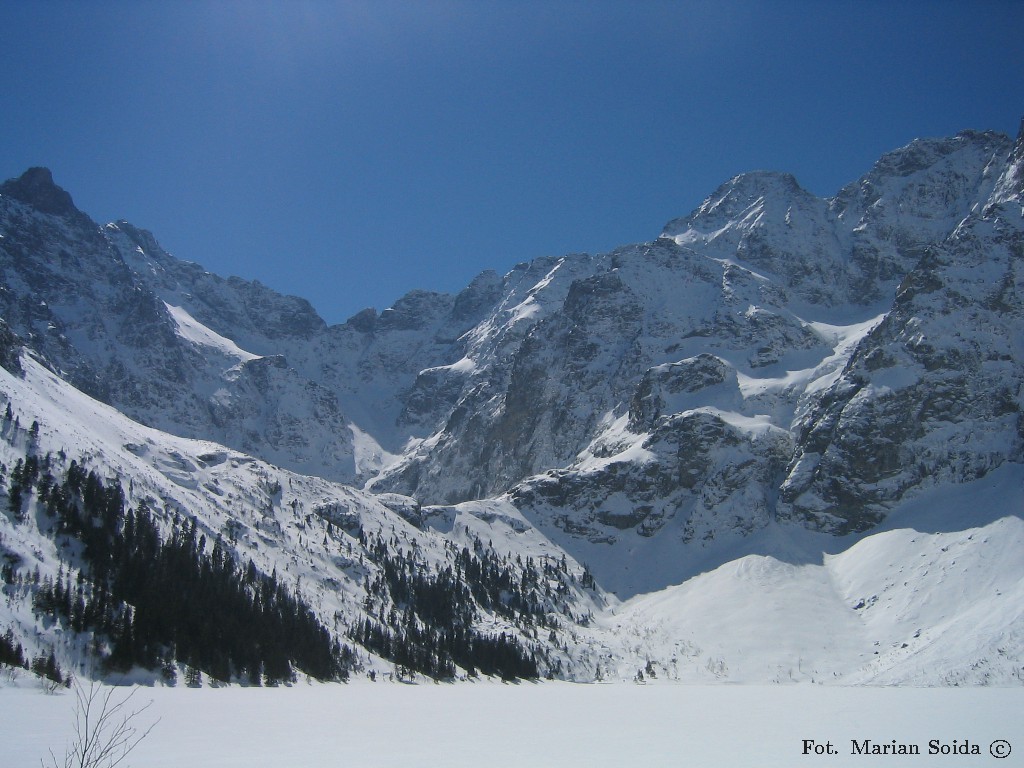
(35, 187)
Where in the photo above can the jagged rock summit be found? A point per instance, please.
(35, 187)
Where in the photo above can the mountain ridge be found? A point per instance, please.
(773, 371)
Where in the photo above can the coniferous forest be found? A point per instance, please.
(429, 627)
(153, 600)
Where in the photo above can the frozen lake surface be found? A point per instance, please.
(551, 724)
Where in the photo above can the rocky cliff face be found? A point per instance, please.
(118, 317)
(934, 393)
(772, 358)
(763, 277)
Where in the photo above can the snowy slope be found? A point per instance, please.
(900, 607)
(941, 608)
(301, 527)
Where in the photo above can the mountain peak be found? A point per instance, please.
(734, 198)
(749, 186)
(37, 188)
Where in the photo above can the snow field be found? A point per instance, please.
(494, 725)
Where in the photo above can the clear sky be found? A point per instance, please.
(348, 152)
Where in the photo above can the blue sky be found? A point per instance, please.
(348, 152)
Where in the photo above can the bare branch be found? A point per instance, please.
(105, 729)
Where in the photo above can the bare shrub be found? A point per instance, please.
(106, 728)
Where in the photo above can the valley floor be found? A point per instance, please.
(552, 724)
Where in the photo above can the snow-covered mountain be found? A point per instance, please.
(685, 424)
